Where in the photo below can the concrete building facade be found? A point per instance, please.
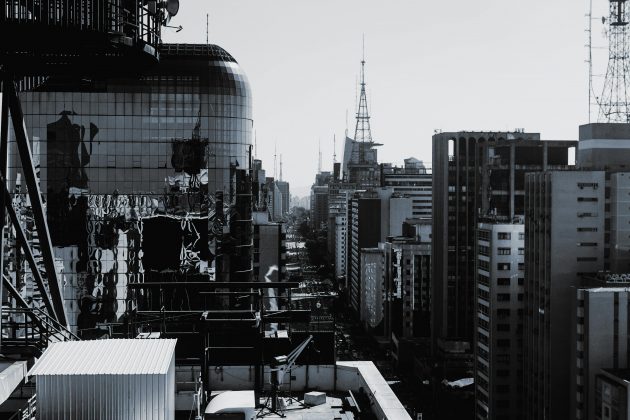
(601, 330)
(476, 174)
(499, 324)
(414, 181)
(564, 234)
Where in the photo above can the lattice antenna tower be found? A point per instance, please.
(362, 131)
(614, 102)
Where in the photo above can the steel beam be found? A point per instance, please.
(216, 285)
(35, 195)
(30, 258)
(4, 138)
(13, 292)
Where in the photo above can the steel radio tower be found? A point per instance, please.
(362, 131)
(614, 102)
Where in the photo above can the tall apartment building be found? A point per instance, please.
(412, 180)
(319, 207)
(498, 342)
(476, 174)
(564, 233)
(319, 201)
(338, 195)
(575, 227)
(364, 223)
(283, 186)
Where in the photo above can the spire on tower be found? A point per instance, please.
(280, 176)
(362, 132)
(334, 148)
(319, 154)
(275, 160)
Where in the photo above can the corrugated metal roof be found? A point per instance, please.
(106, 357)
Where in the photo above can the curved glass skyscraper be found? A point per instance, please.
(145, 177)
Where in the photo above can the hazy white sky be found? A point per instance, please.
(449, 65)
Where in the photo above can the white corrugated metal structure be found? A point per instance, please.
(106, 379)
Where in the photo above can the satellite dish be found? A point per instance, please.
(172, 7)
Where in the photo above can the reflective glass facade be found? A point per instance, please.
(146, 178)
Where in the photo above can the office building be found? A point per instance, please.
(476, 174)
(565, 239)
(283, 186)
(413, 180)
(586, 233)
(364, 225)
(143, 176)
(601, 331)
(338, 196)
(373, 216)
(612, 394)
(499, 324)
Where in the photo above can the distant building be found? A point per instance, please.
(373, 288)
(499, 324)
(283, 186)
(360, 163)
(338, 195)
(319, 207)
(364, 224)
(413, 180)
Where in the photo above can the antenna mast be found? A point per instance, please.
(207, 28)
(255, 143)
(614, 102)
(275, 160)
(319, 152)
(334, 148)
(362, 132)
(280, 166)
(589, 60)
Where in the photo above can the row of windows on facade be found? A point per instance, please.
(484, 235)
(484, 250)
(501, 313)
(501, 297)
(502, 266)
(501, 281)
(500, 327)
(501, 343)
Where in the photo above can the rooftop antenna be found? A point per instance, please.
(346, 122)
(275, 159)
(334, 148)
(614, 102)
(319, 162)
(280, 167)
(207, 28)
(255, 143)
(589, 60)
(362, 131)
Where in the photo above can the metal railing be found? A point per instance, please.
(139, 20)
(28, 412)
(32, 328)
